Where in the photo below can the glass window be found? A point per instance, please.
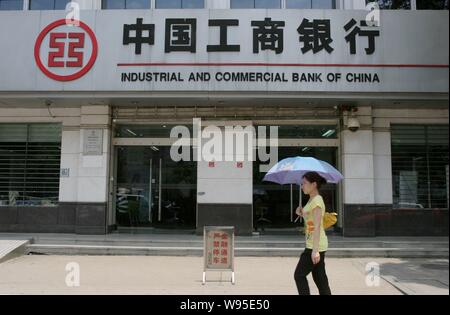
(147, 131)
(180, 4)
(193, 4)
(137, 4)
(267, 4)
(42, 4)
(168, 4)
(113, 4)
(310, 4)
(420, 166)
(29, 164)
(48, 4)
(61, 4)
(298, 4)
(311, 132)
(11, 4)
(242, 4)
(125, 4)
(432, 4)
(258, 4)
(393, 4)
(323, 4)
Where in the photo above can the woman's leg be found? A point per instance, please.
(304, 267)
(320, 276)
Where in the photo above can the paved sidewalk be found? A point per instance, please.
(38, 274)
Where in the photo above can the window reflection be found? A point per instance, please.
(126, 4)
(255, 4)
(393, 4)
(11, 4)
(48, 4)
(420, 166)
(179, 4)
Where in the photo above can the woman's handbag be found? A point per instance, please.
(329, 219)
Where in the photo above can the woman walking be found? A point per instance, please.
(313, 257)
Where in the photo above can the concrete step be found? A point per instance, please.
(262, 245)
(245, 243)
(66, 249)
(12, 248)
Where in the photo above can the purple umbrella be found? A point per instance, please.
(291, 170)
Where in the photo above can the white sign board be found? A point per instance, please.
(93, 142)
(218, 249)
(225, 50)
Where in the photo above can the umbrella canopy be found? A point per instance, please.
(291, 170)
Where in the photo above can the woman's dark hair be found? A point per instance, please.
(314, 177)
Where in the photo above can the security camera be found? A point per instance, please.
(353, 124)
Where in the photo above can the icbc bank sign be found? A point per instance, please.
(66, 50)
(262, 50)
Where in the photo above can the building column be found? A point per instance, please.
(359, 176)
(225, 188)
(84, 170)
(382, 165)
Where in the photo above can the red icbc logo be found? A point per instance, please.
(66, 50)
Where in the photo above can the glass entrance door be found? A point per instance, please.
(153, 190)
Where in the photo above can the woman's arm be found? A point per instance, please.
(317, 218)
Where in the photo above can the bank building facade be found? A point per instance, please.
(109, 111)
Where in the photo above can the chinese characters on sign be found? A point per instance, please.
(180, 35)
(268, 35)
(219, 249)
(218, 254)
(139, 39)
(314, 35)
(367, 31)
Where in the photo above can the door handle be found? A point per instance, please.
(201, 193)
